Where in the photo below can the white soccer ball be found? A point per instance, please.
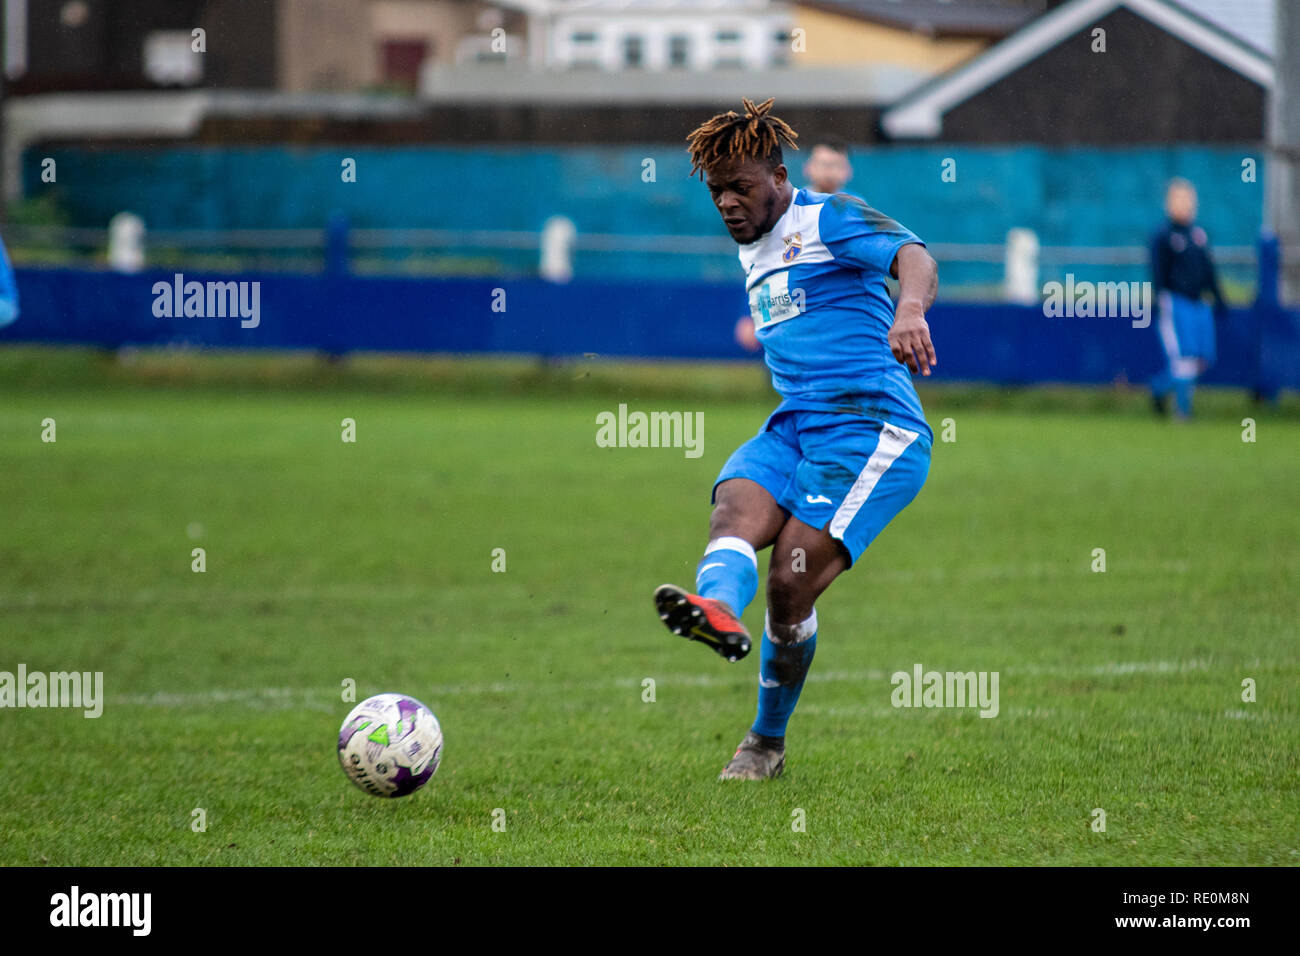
(390, 745)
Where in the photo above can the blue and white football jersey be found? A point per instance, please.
(822, 312)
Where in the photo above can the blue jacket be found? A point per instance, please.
(1181, 263)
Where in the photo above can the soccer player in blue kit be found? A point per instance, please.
(1184, 274)
(847, 448)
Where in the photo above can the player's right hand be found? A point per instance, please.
(909, 338)
(745, 336)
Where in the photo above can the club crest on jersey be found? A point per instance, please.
(793, 246)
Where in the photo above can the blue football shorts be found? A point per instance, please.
(1186, 328)
(841, 472)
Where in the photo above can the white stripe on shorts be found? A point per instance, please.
(893, 442)
(1165, 324)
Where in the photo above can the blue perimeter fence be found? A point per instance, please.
(1259, 346)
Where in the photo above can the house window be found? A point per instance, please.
(679, 51)
(633, 52)
(585, 52)
(781, 48)
(729, 53)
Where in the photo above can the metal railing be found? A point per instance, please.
(521, 252)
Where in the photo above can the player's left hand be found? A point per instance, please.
(746, 338)
(909, 338)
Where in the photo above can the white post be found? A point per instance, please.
(126, 242)
(558, 235)
(1020, 283)
(1282, 205)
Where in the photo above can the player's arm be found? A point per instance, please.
(918, 284)
(1216, 290)
(1160, 261)
(864, 238)
(746, 337)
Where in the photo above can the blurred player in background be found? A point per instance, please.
(827, 170)
(8, 289)
(1183, 273)
(847, 448)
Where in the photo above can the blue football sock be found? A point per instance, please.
(728, 572)
(1161, 384)
(1183, 395)
(781, 672)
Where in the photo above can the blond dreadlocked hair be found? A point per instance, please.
(731, 136)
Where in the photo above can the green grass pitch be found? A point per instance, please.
(372, 561)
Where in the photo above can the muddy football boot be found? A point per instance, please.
(755, 759)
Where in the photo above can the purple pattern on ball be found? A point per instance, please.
(405, 782)
(350, 729)
(408, 708)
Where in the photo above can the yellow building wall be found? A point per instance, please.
(834, 40)
(318, 45)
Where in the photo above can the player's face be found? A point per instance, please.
(826, 170)
(1181, 204)
(747, 196)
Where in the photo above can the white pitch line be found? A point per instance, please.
(317, 697)
(1049, 713)
(62, 600)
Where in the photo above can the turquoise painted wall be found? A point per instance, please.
(1069, 196)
